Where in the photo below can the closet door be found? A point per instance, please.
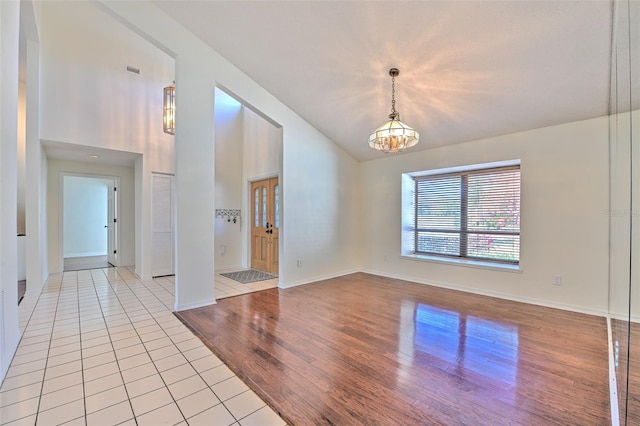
(162, 225)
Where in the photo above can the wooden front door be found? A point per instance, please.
(265, 225)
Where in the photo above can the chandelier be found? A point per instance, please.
(394, 135)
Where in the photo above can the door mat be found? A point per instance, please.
(250, 276)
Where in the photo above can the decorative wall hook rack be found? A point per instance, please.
(230, 215)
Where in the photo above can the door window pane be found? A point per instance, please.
(276, 205)
(256, 203)
(264, 206)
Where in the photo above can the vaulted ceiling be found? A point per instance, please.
(468, 69)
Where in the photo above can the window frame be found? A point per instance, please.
(463, 232)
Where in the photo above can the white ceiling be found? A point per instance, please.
(468, 69)
(88, 154)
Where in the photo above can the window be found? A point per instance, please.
(472, 214)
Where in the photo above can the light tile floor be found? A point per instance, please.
(102, 347)
(226, 287)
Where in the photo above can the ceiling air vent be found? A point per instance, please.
(133, 70)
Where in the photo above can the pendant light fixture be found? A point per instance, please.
(394, 135)
(169, 110)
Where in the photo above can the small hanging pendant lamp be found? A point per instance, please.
(394, 135)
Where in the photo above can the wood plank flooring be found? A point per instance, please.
(633, 403)
(363, 349)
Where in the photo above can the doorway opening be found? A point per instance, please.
(89, 223)
(248, 151)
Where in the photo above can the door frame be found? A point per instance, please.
(112, 221)
(249, 216)
(116, 180)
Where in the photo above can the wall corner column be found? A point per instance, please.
(195, 184)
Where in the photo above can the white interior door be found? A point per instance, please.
(162, 225)
(112, 225)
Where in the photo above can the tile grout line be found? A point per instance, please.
(124, 384)
(166, 335)
(49, 349)
(198, 373)
(145, 303)
(84, 394)
(79, 321)
(146, 351)
(93, 284)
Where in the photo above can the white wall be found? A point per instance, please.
(228, 179)
(22, 133)
(564, 220)
(84, 212)
(624, 127)
(126, 216)
(308, 158)
(9, 332)
(36, 214)
(35, 159)
(262, 148)
(321, 210)
(620, 216)
(634, 19)
(88, 97)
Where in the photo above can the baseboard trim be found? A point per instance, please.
(228, 267)
(624, 317)
(316, 278)
(194, 305)
(93, 254)
(499, 295)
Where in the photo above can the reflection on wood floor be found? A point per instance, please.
(363, 349)
(88, 262)
(627, 335)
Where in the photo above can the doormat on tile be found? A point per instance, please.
(250, 276)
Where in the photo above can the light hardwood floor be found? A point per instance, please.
(363, 349)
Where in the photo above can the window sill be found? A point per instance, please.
(464, 262)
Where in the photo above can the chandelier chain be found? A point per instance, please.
(393, 94)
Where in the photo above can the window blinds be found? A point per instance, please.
(474, 214)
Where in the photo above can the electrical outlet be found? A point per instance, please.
(557, 280)
(299, 263)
